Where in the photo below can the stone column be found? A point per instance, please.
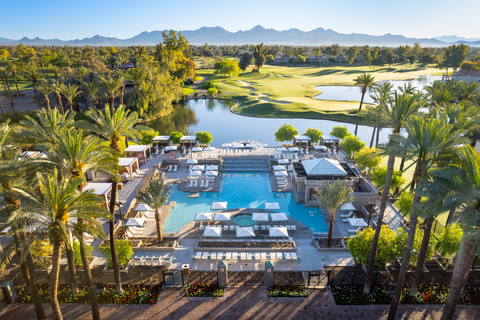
(268, 274)
(185, 273)
(222, 274)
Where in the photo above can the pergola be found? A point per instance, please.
(129, 165)
(330, 140)
(101, 190)
(142, 152)
(161, 141)
(188, 141)
(302, 141)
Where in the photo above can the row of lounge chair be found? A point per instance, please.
(246, 256)
(172, 168)
(282, 182)
(152, 261)
(203, 183)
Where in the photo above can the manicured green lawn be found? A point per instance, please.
(122, 144)
(188, 90)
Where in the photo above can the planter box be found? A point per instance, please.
(246, 249)
(172, 248)
(106, 270)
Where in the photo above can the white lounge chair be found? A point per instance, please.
(175, 168)
(294, 256)
(289, 227)
(235, 255)
(225, 228)
(190, 184)
(228, 256)
(137, 261)
(149, 260)
(294, 227)
(232, 228)
(170, 168)
(201, 227)
(213, 256)
(350, 215)
(255, 227)
(198, 255)
(288, 256)
(279, 256)
(243, 256)
(194, 183)
(205, 256)
(263, 256)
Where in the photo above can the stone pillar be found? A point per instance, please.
(222, 274)
(268, 274)
(185, 273)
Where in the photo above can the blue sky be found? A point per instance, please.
(123, 19)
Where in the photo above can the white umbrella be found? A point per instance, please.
(249, 145)
(357, 222)
(237, 145)
(283, 161)
(211, 173)
(212, 232)
(170, 148)
(272, 206)
(219, 205)
(281, 174)
(197, 149)
(198, 168)
(293, 149)
(209, 149)
(260, 216)
(279, 168)
(281, 149)
(205, 216)
(212, 168)
(278, 232)
(222, 216)
(142, 207)
(195, 174)
(226, 145)
(348, 206)
(245, 232)
(192, 161)
(135, 222)
(278, 216)
(319, 147)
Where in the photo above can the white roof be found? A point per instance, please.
(222, 216)
(327, 137)
(302, 138)
(211, 173)
(142, 207)
(125, 162)
(188, 138)
(281, 149)
(323, 167)
(161, 138)
(319, 147)
(135, 222)
(278, 216)
(281, 174)
(347, 207)
(212, 168)
(211, 231)
(278, 232)
(245, 232)
(237, 145)
(279, 168)
(219, 205)
(140, 147)
(198, 167)
(250, 145)
(98, 188)
(294, 149)
(357, 222)
(195, 173)
(170, 148)
(260, 216)
(283, 161)
(197, 149)
(209, 149)
(272, 206)
(205, 216)
(226, 144)
(192, 161)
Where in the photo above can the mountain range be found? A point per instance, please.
(220, 36)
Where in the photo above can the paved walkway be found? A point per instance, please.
(243, 303)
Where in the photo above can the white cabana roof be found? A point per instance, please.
(219, 205)
(272, 206)
(161, 138)
(293, 149)
(250, 145)
(278, 232)
(348, 206)
(283, 161)
(279, 168)
(226, 145)
(125, 162)
(357, 222)
(212, 168)
(278, 216)
(320, 148)
(197, 149)
(211, 173)
(142, 207)
(302, 138)
(195, 173)
(204, 216)
(98, 188)
(140, 147)
(188, 138)
(211, 231)
(222, 216)
(170, 148)
(192, 161)
(209, 149)
(245, 232)
(237, 145)
(262, 145)
(327, 137)
(323, 167)
(281, 149)
(198, 168)
(281, 174)
(135, 222)
(260, 216)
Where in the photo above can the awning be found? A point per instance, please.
(357, 222)
(170, 148)
(237, 145)
(281, 174)
(142, 207)
(192, 161)
(137, 148)
(161, 138)
(245, 232)
(206, 216)
(283, 161)
(209, 149)
(279, 168)
(125, 162)
(293, 149)
(212, 168)
(272, 206)
(198, 168)
(222, 216)
(278, 232)
(320, 148)
(226, 145)
(278, 216)
(135, 222)
(188, 138)
(219, 205)
(348, 206)
(211, 173)
(302, 138)
(197, 149)
(210, 231)
(260, 216)
(97, 188)
(282, 149)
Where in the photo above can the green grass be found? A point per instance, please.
(122, 144)
(188, 90)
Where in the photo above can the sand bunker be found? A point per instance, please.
(274, 101)
(246, 83)
(261, 95)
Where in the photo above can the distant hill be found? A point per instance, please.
(453, 39)
(220, 36)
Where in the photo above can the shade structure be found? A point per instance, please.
(320, 148)
(262, 145)
(281, 174)
(260, 216)
(222, 216)
(212, 168)
(98, 188)
(278, 232)
(283, 161)
(237, 145)
(245, 232)
(192, 161)
(197, 149)
(348, 206)
(161, 138)
(293, 149)
(170, 148)
(195, 174)
(357, 222)
(278, 216)
(209, 149)
(219, 205)
(282, 149)
(203, 216)
(272, 206)
(135, 222)
(279, 168)
(215, 232)
(211, 173)
(198, 168)
(226, 145)
(125, 162)
(250, 145)
(142, 207)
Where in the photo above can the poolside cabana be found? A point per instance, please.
(129, 165)
(279, 168)
(192, 161)
(188, 141)
(212, 168)
(278, 216)
(272, 206)
(293, 149)
(195, 174)
(219, 205)
(197, 168)
(245, 232)
(281, 174)
(142, 152)
(260, 216)
(211, 231)
(204, 216)
(197, 149)
(135, 222)
(222, 216)
(211, 173)
(302, 141)
(142, 207)
(281, 149)
(209, 149)
(330, 141)
(321, 148)
(278, 232)
(357, 222)
(101, 190)
(161, 141)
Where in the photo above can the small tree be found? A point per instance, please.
(41, 249)
(204, 137)
(146, 137)
(449, 241)
(314, 134)
(404, 202)
(368, 157)
(379, 174)
(212, 91)
(340, 132)
(77, 257)
(269, 59)
(285, 133)
(124, 252)
(352, 144)
(175, 137)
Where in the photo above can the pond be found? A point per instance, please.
(215, 117)
(354, 93)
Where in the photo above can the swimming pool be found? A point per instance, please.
(240, 190)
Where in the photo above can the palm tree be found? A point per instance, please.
(13, 69)
(31, 71)
(111, 85)
(57, 88)
(111, 127)
(57, 204)
(56, 71)
(45, 89)
(123, 56)
(155, 197)
(365, 81)
(392, 115)
(123, 76)
(92, 88)
(81, 72)
(4, 73)
(43, 61)
(332, 197)
(70, 92)
(381, 94)
(8, 94)
(469, 91)
(431, 139)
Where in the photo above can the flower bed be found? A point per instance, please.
(203, 290)
(287, 291)
(133, 294)
(353, 295)
(246, 244)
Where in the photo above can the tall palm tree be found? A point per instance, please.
(365, 81)
(70, 92)
(9, 95)
(31, 71)
(381, 94)
(111, 85)
(123, 76)
(469, 91)
(43, 61)
(155, 197)
(332, 197)
(92, 88)
(123, 56)
(13, 69)
(392, 115)
(56, 71)
(431, 139)
(57, 88)
(4, 73)
(111, 127)
(57, 205)
(45, 89)
(81, 72)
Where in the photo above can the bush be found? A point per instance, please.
(188, 82)
(212, 91)
(417, 243)
(203, 290)
(450, 238)
(285, 133)
(368, 157)
(17, 116)
(287, 291)
(207, 85)
(195, 94)
(146, 136)
(41, 249)
(404, 202)
(77, 257)
(124, 252)
(352, 144)
(204, 137)
(379, 174)
(339, 132)
(175, 137)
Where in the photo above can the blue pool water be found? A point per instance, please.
(240, 190)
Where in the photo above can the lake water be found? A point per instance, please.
(353, 93)
(215, 116)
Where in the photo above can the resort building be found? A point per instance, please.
(466, 75)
